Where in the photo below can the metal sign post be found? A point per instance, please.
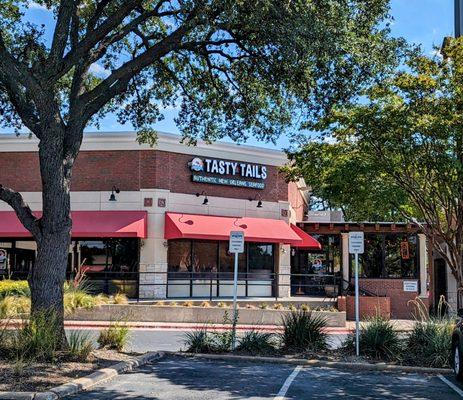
(356, 247)
(236, 246)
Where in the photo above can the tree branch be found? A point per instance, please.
(61, 34)
(115, 83)
(24, 213)
(92, 37)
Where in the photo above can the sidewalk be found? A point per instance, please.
(400, 325)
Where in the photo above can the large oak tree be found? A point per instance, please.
(234, 67)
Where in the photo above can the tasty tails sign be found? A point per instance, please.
(231, 173)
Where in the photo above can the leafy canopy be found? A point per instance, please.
(399, 150)
(233, 67)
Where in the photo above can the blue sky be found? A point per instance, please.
(423, 22)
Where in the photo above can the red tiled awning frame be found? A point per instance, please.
(86, 224)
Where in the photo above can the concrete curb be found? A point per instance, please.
(319, 363)
(87, 382)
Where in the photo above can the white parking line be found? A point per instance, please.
(281, 394)
(451, 385)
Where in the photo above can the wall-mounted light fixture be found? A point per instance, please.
(114, 190)
(206, 200)
(259, 198)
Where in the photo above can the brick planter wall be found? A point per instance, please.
(368, 306)
(393, 288)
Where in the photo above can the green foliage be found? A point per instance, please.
(242, 69)
(303, 331)
(80, 346)
(429, 344)
(14, 288)
(13, 306)
(378, 340)
(116, 336)
(39, 339)
(396, 152)
(255, 342)
(198, 341)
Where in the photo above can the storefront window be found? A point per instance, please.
(260, 260)
(388, 256)
(111, 265)
(208, 269)
(324, 261)
(17, 258)
(227, 262)
(179, 257)
(93, 256)
(205, 257)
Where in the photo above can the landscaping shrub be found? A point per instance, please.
(80, 346)
(263, 306)
(303, 331)
(78, 299)
(378, 340)
(278, 306)
(12, 306)
(39, 339)
(429, 344)
(116, 336)
(221, 304)
(255, 342)
(198, 341)
(14, 288)
(120, 298)
(305, 307)
(205, 304)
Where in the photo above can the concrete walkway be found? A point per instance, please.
(399, 324)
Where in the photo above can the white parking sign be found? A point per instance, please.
(356, 243)
(236, 242)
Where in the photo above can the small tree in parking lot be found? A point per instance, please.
(234, 67)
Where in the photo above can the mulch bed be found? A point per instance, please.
(30, 377)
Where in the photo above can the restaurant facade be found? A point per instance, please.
(154, 223)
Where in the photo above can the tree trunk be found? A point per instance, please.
(49, 272)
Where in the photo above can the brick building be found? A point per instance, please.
(154, 223)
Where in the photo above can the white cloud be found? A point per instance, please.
(98, 70)
(36, 6)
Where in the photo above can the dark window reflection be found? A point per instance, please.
(388, 256)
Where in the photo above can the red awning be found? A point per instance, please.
(262, 230)
(308, 242)
(86, 224)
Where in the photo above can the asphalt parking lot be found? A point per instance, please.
(177, 378)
